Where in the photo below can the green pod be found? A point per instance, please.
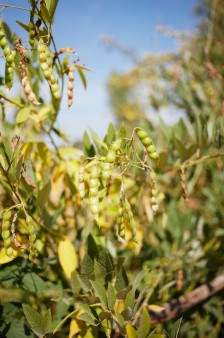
(154, 156)
(111, 156)
(141, 133)
(44, 66)
(6, 217)
(32, 33)
(93, 191)
(5, 234)
(7, 242)
(116, 145)
(151, 149)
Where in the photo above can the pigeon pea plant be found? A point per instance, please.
(85, 246)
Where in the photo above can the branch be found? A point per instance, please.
(177, 307)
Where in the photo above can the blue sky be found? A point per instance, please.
(79, 24)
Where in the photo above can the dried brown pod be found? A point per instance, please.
(183, 183)
(25, 83)
(65, 50)
(21, 49)
(71, 79)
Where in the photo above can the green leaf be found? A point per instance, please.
(52, 9)
(89, 310)
(18, 329)
(122, 132)
(8, 149)
(111, 134)
(34, 320)
(86, 318)
(122, 280)
(18, 168)
(92, 249)
(176, 328)
(105, 261)
(100, 292)
(32, 282)
(82, 77)
(45, 14)
(100, 271)
(130, 298)
(43, 195)
(144, 326)
(23, 114)
(23, 26)
(100, 145)
(138, 278)
(87, 267)
(46, 321)
(111, 295)
(140, 299)
(88, 146)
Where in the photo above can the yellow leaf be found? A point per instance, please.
(156, 308)
(76, 324)
(67, 256)
(131, 332)
(6, 259)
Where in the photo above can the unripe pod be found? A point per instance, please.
(120, 219)
(46, 66)
(151, 149)
(148, 143)
(81, 184)
(32, 237)
(6, 235)
(154, 156)
(154, 201)
(93, 196)
(131, 222)
(110, 160)
(116, 145)
(9, 56)
(32, 32)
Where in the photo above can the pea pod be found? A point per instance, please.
(71, 83)
(131, 222)
(9, 56)
(110, 159)
(81, 184)
(93, 191)
(120, 219)
(32, 238)
(148, 144)
(6, 234)
(47, 69)
(154, 192)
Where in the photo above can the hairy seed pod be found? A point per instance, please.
(46, 67)
(6, 235)
(21, 49)
(148, 144)
(120, 219)
(81, 184)
(71, 79)
(154, 191)
(131, 222)
(93, 191)
(25, 83)
(32, 238)
(110, 160)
